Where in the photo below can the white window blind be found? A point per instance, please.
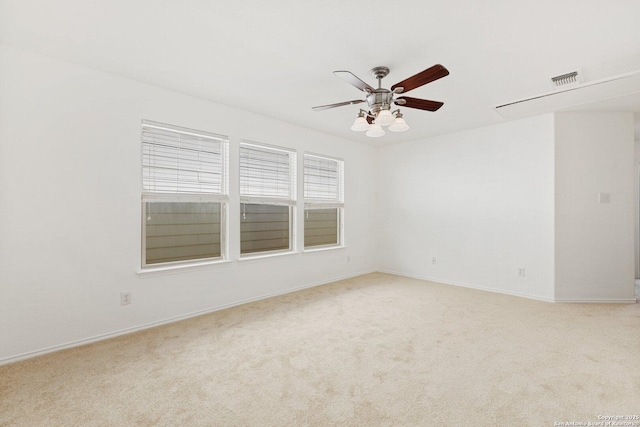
(267, 172)
(182, 161)
(323, 178)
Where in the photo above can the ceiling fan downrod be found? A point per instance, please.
(380, 73)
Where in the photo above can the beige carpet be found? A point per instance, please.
(377, 350)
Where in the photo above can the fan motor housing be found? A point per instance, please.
(378, 98)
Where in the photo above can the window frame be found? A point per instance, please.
(290, 201)
(311, 203)
(177, 197)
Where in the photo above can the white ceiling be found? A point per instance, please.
(276, 57)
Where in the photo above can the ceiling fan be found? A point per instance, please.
(379, 100)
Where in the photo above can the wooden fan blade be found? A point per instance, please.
(420, 104)
(351, 78)
(369, 119)
(339, 104)
(427, 76)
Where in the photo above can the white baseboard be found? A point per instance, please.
(468, 285)
(597, 301)
(101, 337)
(516, 294)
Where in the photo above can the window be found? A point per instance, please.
(184, 195)
(267, 198)
(323, 201)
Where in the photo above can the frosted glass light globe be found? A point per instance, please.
(375, 131)
(384, 118)
(399, 125)
(360, 124)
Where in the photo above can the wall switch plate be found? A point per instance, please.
(604, 197)
(125, 298)
(434, 261)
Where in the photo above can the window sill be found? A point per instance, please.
(258, 257)
(323, 249)
(173, 269)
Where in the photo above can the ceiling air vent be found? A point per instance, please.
(565, 80)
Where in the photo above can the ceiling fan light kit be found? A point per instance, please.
(381, 99)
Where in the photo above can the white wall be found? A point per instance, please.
(594, 241)
(70, 207)
(481, 202)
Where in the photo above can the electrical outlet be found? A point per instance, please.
(434, 261)
(125, 298)
(521, 272)
(348, 258)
